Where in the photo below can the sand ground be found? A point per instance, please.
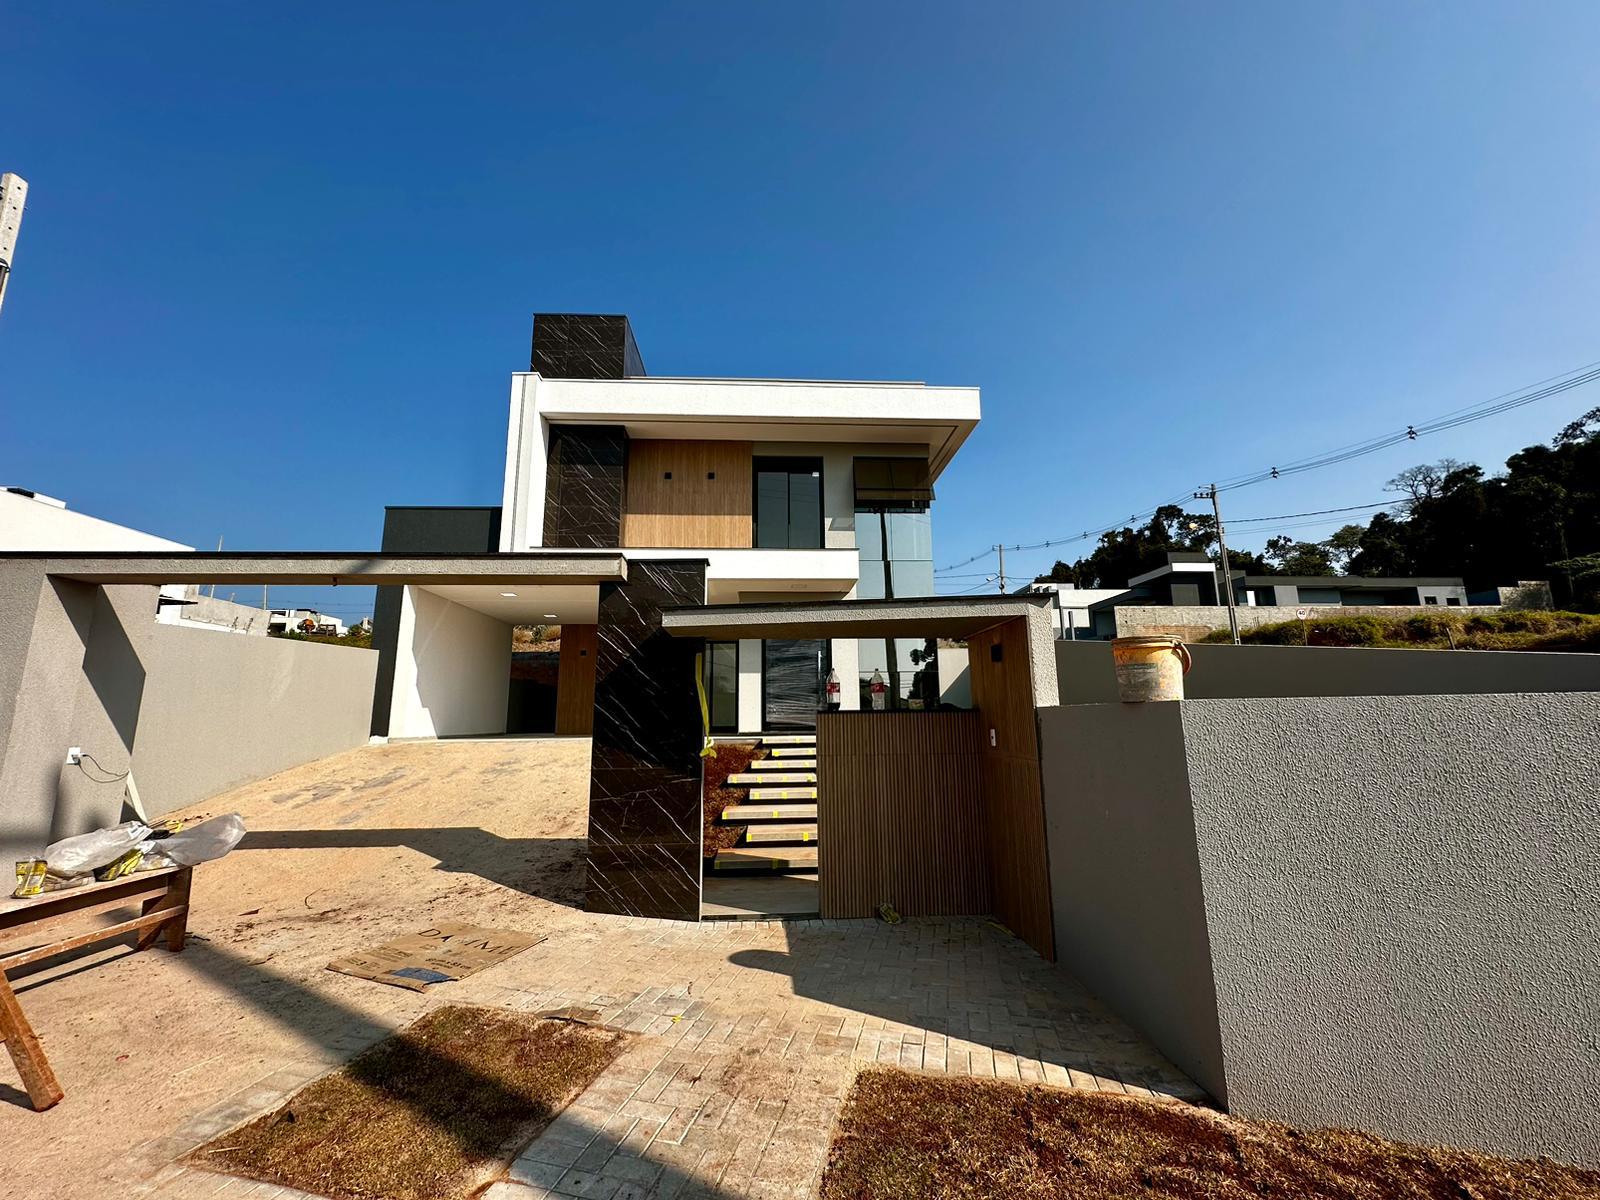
(342, 854)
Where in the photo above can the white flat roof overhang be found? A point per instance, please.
(912, 415)
(932, 616)
(341, 568)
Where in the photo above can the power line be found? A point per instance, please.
(1318, 513)
(1552, 385)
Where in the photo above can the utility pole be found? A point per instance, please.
(219, 551)
(13, 192)
(1227, 572)
(1002, 575)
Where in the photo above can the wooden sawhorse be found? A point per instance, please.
(165, 914)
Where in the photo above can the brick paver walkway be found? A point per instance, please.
(751, 1033)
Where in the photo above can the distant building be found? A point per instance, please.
(1072, 617)
(1190, 582)
(32, 521)
(304, 620)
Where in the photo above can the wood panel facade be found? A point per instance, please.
(900, 814)
(575, 679)
(689, 495)
(1002, 695)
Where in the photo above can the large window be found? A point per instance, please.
(894, 536)
(788, 503)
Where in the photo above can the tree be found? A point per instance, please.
(1343, 545)
(1382, 549)
(1422, 482)
(1126, 552)
(1298, 558)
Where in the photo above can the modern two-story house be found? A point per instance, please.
(783, 489)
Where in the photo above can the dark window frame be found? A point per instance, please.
(790, 465)
(711, 692)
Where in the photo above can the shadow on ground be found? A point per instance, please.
(546, 868)
(1004, 997)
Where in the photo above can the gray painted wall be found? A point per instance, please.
(1231, 672)
(222, 709)
(1404, 913)
(1124, 878)
(1401, 919)
(70, 675)
(192, 710)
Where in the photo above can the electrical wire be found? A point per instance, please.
(114, 777)
(1552, 385)
(1317, 513)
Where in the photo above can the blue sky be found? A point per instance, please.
(279, 261)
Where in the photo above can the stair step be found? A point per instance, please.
(789, 739)
(776, 858)
(774, 777)
(794, 752)
(780, 833)
(784, 764)
(786, 793)
(771, 812)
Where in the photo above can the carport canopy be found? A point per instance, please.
(323, 568)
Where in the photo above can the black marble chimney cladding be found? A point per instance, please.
(645, 820)
(580, 346)
(586, 476)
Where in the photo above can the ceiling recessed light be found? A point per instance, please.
(549, 616)
(509, 595)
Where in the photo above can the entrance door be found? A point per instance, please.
(792, 678)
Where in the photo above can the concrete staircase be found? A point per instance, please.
(779, 812)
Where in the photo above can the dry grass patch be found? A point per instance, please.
(432, 1112)
(904, 1135)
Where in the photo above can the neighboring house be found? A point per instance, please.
(1184, 597)
(1073, 620)
(30, 521)
(783, 489)
(304, 620)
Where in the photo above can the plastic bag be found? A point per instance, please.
(197, 844)
(82, 854)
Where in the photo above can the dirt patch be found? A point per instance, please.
(432, 1112)
(731, 759)
(902, 1134)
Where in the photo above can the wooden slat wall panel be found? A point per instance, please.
(575, 679)
(690, 510)
(1002, 694)
(900, 815)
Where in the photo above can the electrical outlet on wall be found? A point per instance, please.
(74, 755)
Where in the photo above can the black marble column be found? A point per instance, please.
(645, 821)
(585, 482)
(584, 346)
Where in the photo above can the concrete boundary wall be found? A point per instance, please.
(1390, 900)
(221, 711)
(1224, 672)
(1403, 913)
(1124, 876)
(189, 711)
